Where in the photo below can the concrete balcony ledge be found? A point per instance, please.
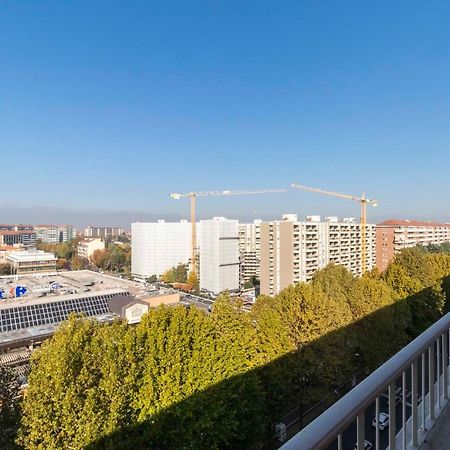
(439, 436)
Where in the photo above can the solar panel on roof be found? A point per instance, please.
(27, 316)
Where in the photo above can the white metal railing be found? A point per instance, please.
(418, 373)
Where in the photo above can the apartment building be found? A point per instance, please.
(395, 235)
(54, 234)
(87, 247)
(25, 237)
(249, 251)
(219, 255)
(103, 232)
(292, 250)
(158, 246)
(15, 227)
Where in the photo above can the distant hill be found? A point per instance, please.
(78, 218)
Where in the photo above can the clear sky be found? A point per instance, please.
(115, 104)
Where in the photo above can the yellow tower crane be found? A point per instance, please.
(363, 201)
(194, 195)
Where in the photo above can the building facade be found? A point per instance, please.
(219, 255)
(158, 246)
(25, 238)
(292, 251)
(103, 232)
(55, 234)
(87, 247)
(249, 251)
(31, 261)
(395, 235)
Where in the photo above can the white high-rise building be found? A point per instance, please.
(158, 246)
(249, 250)
(219, 255)
(292, 250)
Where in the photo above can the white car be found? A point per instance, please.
(367, 446)
(383, 421)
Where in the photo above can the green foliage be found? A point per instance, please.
(9, 408)
(5, 269)
(252, 282)
(152, 279)
(116, 258)
(177, 274)
(192, 281)
(79, 263)
(79, 386)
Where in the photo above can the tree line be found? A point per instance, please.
(116, 256)
(182, 379)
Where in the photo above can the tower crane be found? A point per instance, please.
(363, 201)
(193, 196)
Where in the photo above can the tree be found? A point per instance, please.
(79, 386)
(192, 281)
(5, 269)
(9, 408)
(152, 279)
(100, 259)
(177, 274)
(79, 263)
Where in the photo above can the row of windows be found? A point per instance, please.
(25, 316)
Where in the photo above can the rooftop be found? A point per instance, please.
(30, 256)
(412, 223)
(70, 284)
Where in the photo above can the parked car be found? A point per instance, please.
(383, 421)
(367, 446)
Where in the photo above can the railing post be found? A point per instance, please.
(392, 422)
(445, 364)
(404, 410)
(438, 370)
(360, 430)
(431, 397)
(414, 421)
(377, 417)
(424, 403)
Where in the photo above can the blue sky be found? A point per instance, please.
(113, 105)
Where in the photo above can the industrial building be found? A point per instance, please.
(31, 261)
(395, 235)
(219, 255)
(292, 250)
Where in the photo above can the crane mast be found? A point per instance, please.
(363, 201)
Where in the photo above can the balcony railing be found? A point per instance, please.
(420, 369)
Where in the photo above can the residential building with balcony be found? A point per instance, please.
(103, 232)
(392, 236)
(26, 238)
(292, 251)
(249, 251)
(87, 247)
(15, 227)
(55, 234)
